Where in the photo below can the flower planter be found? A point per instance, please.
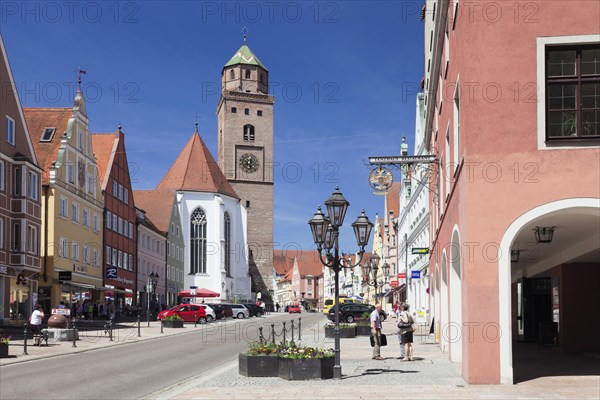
(260, 365)
(294, 369)
(363, 330)
(3, 350)
(172, 323)
(345, 332)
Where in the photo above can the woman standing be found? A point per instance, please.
(405, 323)
(35, 321)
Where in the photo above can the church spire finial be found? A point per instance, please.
(79, 73)
(245, 32)
(196, 123)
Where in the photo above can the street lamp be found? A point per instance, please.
(325, 231)
(152, 283)
(373, 267)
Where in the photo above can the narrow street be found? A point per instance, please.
(134, 370)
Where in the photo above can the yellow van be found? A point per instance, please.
(328, 303)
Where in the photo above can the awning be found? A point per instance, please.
(200, 292)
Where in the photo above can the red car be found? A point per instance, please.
(187, 312)
(294, 309)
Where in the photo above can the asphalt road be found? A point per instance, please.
(133, 370)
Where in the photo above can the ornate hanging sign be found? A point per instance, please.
(380, 180)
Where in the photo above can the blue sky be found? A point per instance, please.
(343, 75)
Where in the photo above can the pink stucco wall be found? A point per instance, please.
(499, 134)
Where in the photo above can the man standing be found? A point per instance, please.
(376, 331)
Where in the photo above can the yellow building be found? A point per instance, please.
(72, 219)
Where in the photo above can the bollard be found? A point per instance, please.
(148, 316)
(299, 328)
(138, 321)
(292, 331)
(25, 339)
(284, 332)
(260, 335)
(273, 333)
(110, 332)
(73, 333)
(161, 326)
(195, 319)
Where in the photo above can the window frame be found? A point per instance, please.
(10, 134)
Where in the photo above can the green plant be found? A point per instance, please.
(173, 317)
(5, 339)
(342, 325)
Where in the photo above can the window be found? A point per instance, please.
(33, 186)
(115, 223)
(120, 259)
(94, 259)
(75, 255)
(108, 255)
(172, 228)
(81, 140)
(125, 229)
(32, 239)
(259, 113)
(75, 212)
(86, 255)
(573, 92)
(232, 74)
(63, 250)
(71, 172)
(177, 231)
(247, 203)
(108, 220)
(227, 244)
(248, 74)
(130, 230)
(10, 130)
(120, 225)
(1, 233)
(63, 207)
(249, 133)
(16, 181)
(48, 134)
(456, 141)
(247, 111)
(115, 257)
(126, 195)
(233, 110)
(96, 222)
(120, 192)
(90, 184)
(1, 175)
(115, 191)
(198, 242)
(86, 218)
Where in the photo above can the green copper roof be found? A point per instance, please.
(244, 56)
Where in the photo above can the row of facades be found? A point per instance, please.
(67, 210)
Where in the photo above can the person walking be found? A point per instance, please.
(376, 332)
(405, 323)
(35, 322)
(400, 336)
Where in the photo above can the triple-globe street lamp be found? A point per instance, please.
(325, 231)
(370, 269)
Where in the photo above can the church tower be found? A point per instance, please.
(245, 142)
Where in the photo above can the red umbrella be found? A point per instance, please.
(200, 292)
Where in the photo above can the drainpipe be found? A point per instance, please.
(45, 261)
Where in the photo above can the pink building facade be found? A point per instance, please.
(513, 116)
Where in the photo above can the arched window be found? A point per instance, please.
(249, 133)
(232, 74)
(247, 74)
(198, 242)
(227, 244)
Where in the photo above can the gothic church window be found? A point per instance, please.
(198, 242)
(227, 244)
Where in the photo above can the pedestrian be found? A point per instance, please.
(277, 307)
(400, 337)
(61, 305)
(405, 325)
(376, 332)
(35, 322)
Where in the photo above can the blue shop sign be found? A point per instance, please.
(415, 274)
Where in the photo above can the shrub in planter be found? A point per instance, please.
(173, 321)
(302, 363)
(4, 342)
(346, 330)
(260, 360)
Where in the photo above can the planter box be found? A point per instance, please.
(363, 330)
(258, 365)
(172, 324)
(3, 350)
(306, 368)
(345, 333)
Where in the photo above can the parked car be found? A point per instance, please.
(354, 312)
(294, 308)
(239, 311)
(255, 311)
(219, 311)
(187, 312)
(210, 312)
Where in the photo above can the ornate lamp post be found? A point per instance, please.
(372, 268)
(152, 283)
(325, 231)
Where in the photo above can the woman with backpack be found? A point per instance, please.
(405, 325)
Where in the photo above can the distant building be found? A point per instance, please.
(151, 255)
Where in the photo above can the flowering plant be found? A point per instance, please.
(297, 352)
(5, 339)
(263, 349)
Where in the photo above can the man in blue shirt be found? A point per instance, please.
(376, 331)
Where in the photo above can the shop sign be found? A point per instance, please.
(61, 311)
(111, 273)
(64, 275)
(415, 274)
(402, 275)
(419, 250)
(394, 283)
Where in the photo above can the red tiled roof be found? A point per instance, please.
(158, 205)
(195, 169)
(392, 199)
(309, 263)
(38, 119)
(283, 260)
(105, 146)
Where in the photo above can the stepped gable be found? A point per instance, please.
(195, 170)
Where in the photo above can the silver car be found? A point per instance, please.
(210, 313)
(240, 311)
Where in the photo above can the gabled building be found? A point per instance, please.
(20, 206)
(72, 204)
(214, 223)
(119, 233)
(306, 271)
(161, 209)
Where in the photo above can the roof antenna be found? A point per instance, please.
(79, 73)
(245, 32)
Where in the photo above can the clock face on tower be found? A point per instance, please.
(248, 163)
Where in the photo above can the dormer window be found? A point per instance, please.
(48, 134)
(247, 74)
